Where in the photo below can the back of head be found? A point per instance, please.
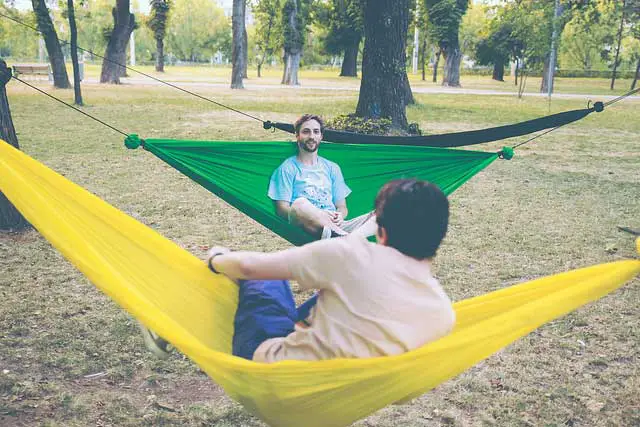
(415, 216)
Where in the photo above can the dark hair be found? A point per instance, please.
(415, 215)
(306, 117)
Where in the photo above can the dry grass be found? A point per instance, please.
(554, 207)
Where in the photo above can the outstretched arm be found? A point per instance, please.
(250, 265)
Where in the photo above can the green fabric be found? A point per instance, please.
(239, 172)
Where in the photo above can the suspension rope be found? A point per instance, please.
(598, 106)
(140, 72)
(71, 106)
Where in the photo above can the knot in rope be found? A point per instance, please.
(506, 153)
(133, 141)
(267, 125)
(598, 106)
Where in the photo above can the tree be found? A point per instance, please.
(384, 76)
(629, 12)
(17, 41)
(267, 30)
(345, 33)
(293, 28)
(496, 49)
(197, 30)
(445, 17)
(634, 19)
(238, 56)
(10, 218)
(158, 24)
(77, 93)
(123, 24)
(48, 31)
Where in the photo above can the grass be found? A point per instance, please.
(554, 207)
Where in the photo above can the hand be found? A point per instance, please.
(337, 219)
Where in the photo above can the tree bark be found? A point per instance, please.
(383, 89)
(549, 74)
(292, 46)
(423, 57)
(350, 61)
(10, 218)
(618, 44)
(160, 55)
(498, 70)
(77, 93)
(291, 67)
(545, 72)
(435, 66)
(451, 72)
(237, 55)
(636, 77)
(116, 52)
(245, 42)
(56, 58)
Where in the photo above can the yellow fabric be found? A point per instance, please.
(172, 292)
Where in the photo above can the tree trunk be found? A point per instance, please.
(56, 58)
(435, 66)
(553, 52)
(619, 42)
(350, 61)
(516, 71)
(245, 42)
(636, 77)
(10, 218)
(498, 70)
(116, 52)
(545, 72)
(291, 67)
(408, 94)
(160, 55)
(451, 72)
(423, 58)
(237, 56)
(383, 89)
(293, 46)
(74, 53)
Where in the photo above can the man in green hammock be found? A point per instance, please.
(309, 191)
(374, 299)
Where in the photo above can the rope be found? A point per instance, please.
(71, 106)
(597, 106)
(140, 72)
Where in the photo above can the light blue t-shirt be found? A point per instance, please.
(322, 184)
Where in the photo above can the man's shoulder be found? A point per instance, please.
(288, 165)
(328, 163)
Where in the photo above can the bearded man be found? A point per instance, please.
(309, 191)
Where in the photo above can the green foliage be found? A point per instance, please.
(381, 126)
(197, 29)
(445, 17)
(17, 41)
(157, 21)
(268, 28)
(294, 23)
(345, 23)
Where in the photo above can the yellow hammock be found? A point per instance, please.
(172, 292)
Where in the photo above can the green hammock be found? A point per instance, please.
(239, 172)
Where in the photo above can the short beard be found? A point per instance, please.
(307, 149)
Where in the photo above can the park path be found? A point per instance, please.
(354, 87)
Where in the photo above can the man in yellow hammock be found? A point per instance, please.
(309, 191)
(374, 299)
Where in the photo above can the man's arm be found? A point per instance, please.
(251, 265)
(282, 208)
